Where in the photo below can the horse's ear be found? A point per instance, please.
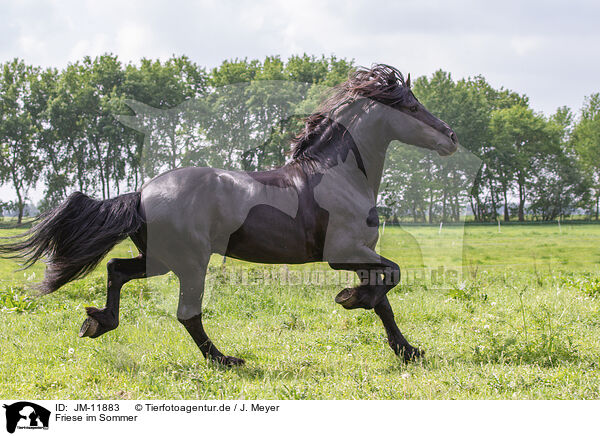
(408, 81)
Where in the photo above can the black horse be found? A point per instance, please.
(318, 207)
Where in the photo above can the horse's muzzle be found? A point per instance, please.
(448, 148)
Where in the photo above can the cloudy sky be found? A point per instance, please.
(548, 50)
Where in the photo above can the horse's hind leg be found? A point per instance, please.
(189, 313)
(196, 330)
(119, 272)
(397, 341)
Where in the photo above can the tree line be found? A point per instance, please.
(71, 129)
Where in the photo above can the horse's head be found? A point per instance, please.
(409, 121)
(414, 124)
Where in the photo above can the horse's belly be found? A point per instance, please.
(271, 236)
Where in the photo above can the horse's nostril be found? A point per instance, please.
(453, 137)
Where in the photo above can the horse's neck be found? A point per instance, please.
(373, 158)
(372, 146)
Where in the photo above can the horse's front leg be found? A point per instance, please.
(397, 341)
(376, 279)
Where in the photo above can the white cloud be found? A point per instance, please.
(96, 44)
(30, 44)
(132, 39)
(524, 45)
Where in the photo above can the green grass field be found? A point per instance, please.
(512, 314)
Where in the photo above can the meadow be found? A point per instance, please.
(509, 313)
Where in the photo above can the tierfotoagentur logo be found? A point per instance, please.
(26, 415)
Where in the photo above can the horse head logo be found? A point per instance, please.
(26, 415)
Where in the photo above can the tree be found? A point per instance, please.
(20, 163)
(64, 148)
(172, 129)
(42, 93)
(557, 187)
(522, 138)
(586, 143)
(492, 183)
(406, 184)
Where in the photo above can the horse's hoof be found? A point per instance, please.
(347, 298)
(89, 327)
(354, 298)
(412, 353)
(229, 361)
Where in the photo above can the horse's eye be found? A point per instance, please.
(414, 108)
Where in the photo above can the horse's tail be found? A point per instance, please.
(75, 236)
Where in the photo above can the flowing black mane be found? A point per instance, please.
(381, 83)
